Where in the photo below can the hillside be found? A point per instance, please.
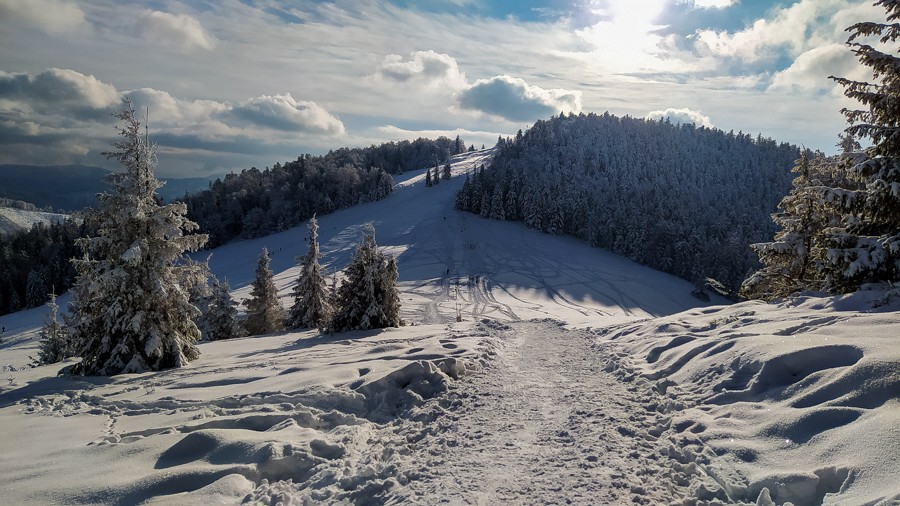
(575, 375)
(14, 220)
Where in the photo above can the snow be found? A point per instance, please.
(15, 220)
(574, 375)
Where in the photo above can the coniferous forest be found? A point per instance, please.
(681, 199)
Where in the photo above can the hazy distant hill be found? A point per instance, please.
(72, 187)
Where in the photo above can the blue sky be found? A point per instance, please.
(237, 83)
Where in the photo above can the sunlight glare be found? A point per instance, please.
(624, 40)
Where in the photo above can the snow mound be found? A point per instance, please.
(793, 402)
(250, 417)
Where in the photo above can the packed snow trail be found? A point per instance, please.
(549, 421)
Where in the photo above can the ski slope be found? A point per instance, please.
(572, 375)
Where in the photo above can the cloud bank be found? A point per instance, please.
(513, 99)
(424, 68)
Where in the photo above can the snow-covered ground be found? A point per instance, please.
(14, 220)
(573, 376)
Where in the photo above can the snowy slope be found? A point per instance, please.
(574, 376)
(14, 220)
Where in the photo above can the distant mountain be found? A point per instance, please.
(73, 187)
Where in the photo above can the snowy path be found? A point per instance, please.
(547, 422)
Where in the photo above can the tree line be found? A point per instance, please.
(678, 198)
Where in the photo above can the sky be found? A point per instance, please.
(227, 85)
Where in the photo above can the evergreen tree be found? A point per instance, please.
(311, 308)
(222, 315)
(55, 343)
(428, 181)
(35, 288)
(14, 304)
(130, 311)
(264, 311)
(368, 297)
(446, 174)
(436, 178)
(866, 246)
(196, 278)
(789, 262)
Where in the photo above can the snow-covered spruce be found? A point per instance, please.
(56, 345)
(264, 311)
(865, 247)
(311, 308)
(222, 315)
(130, 311)
(792, 262)
(368, 297)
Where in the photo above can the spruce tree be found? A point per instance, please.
(130, 311)
(436, 178)
(866, 246)
(222, 315)
(264, 311)
(792, 262)
(446, 172)
(428, 181)
(311, 308)
(368, 297)
(56, 345)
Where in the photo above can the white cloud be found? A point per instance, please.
(810, 70)
(282, 112)
(681, 116)
(51, 16)
(58, 90)
(514, 99)
(166, 109)
(427, 68)
(179, 30)
(797, 28)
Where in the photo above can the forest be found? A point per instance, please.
(248, 204)
(678, 198)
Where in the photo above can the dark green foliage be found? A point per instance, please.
(34, 261)
(311, 308)
(56, 344)
(265, 314)
(681, 199)
(368, 297)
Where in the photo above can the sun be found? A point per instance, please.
(638, 14)
(625, 39)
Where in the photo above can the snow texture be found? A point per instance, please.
(533, 369)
